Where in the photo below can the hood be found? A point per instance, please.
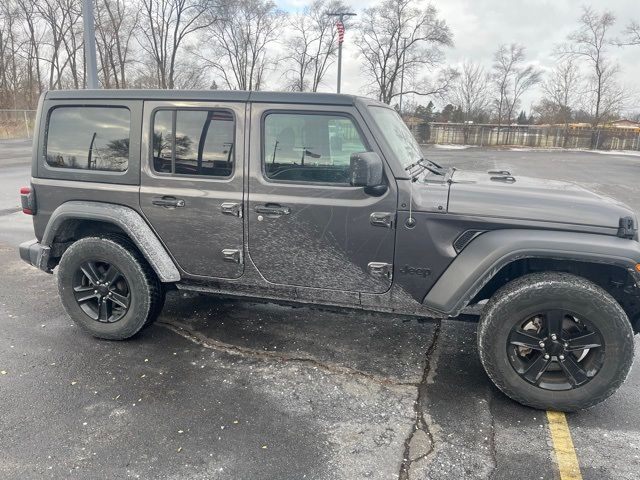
(498, 194)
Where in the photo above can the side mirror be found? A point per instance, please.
(366, 170)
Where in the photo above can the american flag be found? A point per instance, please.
(340, 27)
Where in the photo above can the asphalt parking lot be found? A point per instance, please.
(238, 390)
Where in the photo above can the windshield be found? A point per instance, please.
(397, 135)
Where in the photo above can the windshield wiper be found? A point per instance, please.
(426, 165)
(433, 170)
(432, 163)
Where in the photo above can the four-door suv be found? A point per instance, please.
(326, 199)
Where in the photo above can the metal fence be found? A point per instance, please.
(19, 124)
(16, 123)
(531, 136)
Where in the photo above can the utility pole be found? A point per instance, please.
(340, 25)
(90, 44)
(404, 52)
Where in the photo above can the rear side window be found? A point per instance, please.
(313, 148)
(88, 138)
(193, 142)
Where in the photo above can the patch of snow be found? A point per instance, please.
(452, 147)
(629, 153)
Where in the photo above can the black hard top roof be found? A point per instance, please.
(206, 95)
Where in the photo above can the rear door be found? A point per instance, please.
(307, 226)
(192, 183)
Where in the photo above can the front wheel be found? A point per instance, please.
(555, 341)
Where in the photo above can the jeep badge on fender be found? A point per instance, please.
(421, 272)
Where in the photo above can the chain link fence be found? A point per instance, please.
(532, 136)
(16, 124)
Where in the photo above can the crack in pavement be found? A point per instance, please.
(213, 344)
(9, 211)
(421, 424)
(493, 450)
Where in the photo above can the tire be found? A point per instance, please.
(136, 286)
(576, 303)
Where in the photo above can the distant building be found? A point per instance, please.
(624, 123)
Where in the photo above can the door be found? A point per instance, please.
(192, 183)
(307, 226)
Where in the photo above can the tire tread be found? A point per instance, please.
(152, 284)
(559, 282)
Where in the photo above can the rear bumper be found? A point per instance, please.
(35, 254)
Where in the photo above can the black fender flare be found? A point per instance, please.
(130, 221)
(479, 262)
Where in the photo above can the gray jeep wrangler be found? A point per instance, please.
(327, 199)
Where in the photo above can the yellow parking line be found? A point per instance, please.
(563, 447)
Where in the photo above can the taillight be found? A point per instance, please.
(28, 201)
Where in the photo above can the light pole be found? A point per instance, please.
(404, 51)
(340, 25)
(90, 44)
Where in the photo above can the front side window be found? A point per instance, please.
(88, 138)
(310, 147)
(193, 142)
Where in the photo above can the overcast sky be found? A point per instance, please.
(479, 26)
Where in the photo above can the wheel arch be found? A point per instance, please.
(77, 219)
(495, 258)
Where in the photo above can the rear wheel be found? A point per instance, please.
(107, 288)
(555, 341)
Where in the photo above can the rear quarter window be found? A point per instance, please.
(88, 138)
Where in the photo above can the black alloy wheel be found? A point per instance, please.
(101, 291)
(556, 350)
(108, 288)
(555, 341)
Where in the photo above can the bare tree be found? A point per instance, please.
(166, 26)
(32, 50)
(62, 22)
(73, 41)
(632, 33)
(312, 46)
(511, 79)
(240, 55)
(590, 42)
(562, 89)
(116, 23)
(605, 96)
(8, 53)
(471, 91)
(52, 18)
(395, 39)
(523, 80)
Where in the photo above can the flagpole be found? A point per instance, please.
(339, 66)
(340, 25)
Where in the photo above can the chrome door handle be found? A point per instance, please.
(231, 208)
(381, 219)
(168, 202)
(270, 209)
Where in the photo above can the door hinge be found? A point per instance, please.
(381, 219)
(231, 208)
(380, 269)
(232, 255)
